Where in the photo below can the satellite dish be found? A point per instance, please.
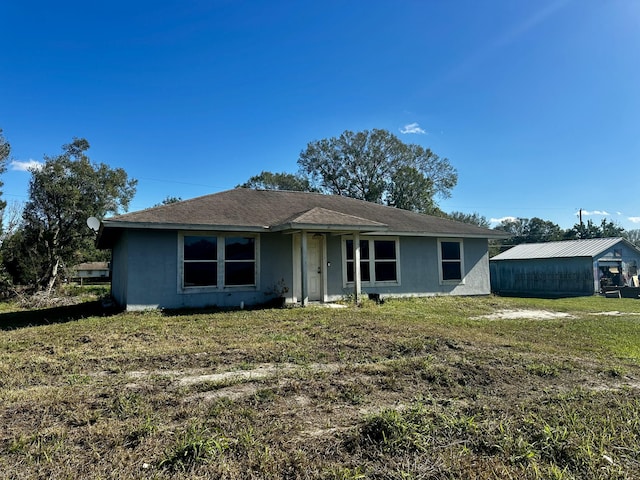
(93, 223)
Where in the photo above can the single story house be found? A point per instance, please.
(90, 272)
(567, 268)
(246, 247)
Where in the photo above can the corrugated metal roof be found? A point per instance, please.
(570, 248)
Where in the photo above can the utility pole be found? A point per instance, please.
(581, 232)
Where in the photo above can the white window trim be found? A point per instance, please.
(372, 262)
(220, 287)
(463, 272)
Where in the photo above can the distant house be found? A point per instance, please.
(90, 272)
(250, 246)
(569, 268)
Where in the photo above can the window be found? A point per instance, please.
(218, 261)
(385, 260)
(239, 261)
(451, 265)
(200, 261)
(365, 274)
(378, 261)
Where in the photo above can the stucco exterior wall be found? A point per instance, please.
(147, 272)
(418, 270)
(335, 288)
(276, 269)
(120, 272)
(152, 269)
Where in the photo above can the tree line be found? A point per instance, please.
(376, 166)
(41, 241)
(537, 230)
(51, 234)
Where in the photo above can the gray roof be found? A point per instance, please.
(91, 266)
(570, 248)
(276, 210)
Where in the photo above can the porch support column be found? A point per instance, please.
(357, 279)
(304, 287)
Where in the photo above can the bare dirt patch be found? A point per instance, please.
(524, 314)
(257, 373)
(614, 313)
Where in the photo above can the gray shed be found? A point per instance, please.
(568, 268)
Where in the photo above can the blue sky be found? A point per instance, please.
(535, 103)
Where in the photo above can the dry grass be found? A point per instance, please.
(411, 389)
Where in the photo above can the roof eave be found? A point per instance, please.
(111, 226)
(108, 229)
(185, 226)
(316, 227)
(446, 235)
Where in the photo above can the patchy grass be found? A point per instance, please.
(410, 389)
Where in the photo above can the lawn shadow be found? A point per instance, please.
(274, 304)
(48, 316)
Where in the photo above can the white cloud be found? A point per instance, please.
(592, 212)
(634, 219)
(413, 128)
(503, 219)
(27, 166)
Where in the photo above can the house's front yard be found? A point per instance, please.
(413, 389)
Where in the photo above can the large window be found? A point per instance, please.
(378, 261)
(239, 261)
(451, 264)
(218, 261)
(200, 261)
(365, 273)
(385, 260)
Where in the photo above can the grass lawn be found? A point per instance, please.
(434, 388)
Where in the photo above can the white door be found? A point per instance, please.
(314, 267)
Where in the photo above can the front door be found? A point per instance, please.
(314, 267)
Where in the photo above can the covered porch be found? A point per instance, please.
(311, 231)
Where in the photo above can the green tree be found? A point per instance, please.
(606, 229)
(634, 237)
(515, 228)
(168, 200)
(582, 231)
(472, 218)
(411, 190)
(610, 229)
(538, 230)
(22, 258)
(525, 230)
(278, 181)
(5, 151)
(5, 278)
(373, 166)
(67, 190)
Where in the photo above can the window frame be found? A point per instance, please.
(371, 261)
(236, 261)
(459, 261)
(221, 262)
(200, 261)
